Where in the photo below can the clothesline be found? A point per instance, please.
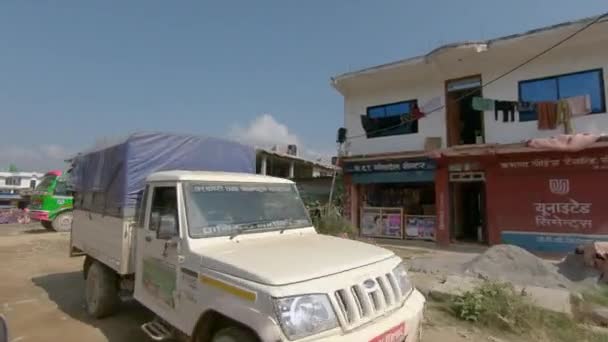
(550, 114)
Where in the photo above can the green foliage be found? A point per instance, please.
(328, 219)
(13, 168)
(499, 306)
(496, 305)
(597, 295)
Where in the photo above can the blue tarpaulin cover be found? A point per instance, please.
(111, 180)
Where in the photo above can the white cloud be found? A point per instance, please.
(266, 131)
(34, 158)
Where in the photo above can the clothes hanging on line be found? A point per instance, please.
(507, 107)
(482, 104)
(564, 116)
(547, 115)
(417, 113)
(579, 105)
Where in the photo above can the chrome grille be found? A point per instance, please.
(369, 299)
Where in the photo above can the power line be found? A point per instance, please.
(598, 18)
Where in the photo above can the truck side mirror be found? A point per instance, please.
(167, 227)
(3, 329)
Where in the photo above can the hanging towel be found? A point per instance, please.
(525, 106)
(547, 115)
(416, 113)
(481, 104)
(564, 116)
(507, 107)
(579, 105)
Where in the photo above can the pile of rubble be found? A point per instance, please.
(508, 263)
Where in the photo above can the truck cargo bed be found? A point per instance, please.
(106, 238)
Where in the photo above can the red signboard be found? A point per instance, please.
(559, 200)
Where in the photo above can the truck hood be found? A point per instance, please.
(288, 259)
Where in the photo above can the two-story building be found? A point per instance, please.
(437, 145)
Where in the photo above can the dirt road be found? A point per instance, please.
(42, 295)
(42, 292)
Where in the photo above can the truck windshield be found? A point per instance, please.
(46, 183)
(229, 209)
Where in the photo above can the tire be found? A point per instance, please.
(101, 291)
(234, 334)
(48, 225)
(63, 222)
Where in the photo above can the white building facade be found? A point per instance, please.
(421, 161)
(13, 182)
(425, 78)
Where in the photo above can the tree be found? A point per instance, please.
(12, 168)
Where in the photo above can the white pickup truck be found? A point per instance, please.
(233, 257)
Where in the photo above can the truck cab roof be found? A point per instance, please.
(210, 176)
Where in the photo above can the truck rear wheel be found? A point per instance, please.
(101, 291)
(233, 334)
(63, 222)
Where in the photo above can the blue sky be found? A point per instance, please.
(72, 72)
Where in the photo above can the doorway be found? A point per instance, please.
(464, 124)
(468, 212)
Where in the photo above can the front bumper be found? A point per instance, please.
(39, 215)
(410, 313)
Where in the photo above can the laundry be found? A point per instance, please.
(416, 113)
(547, 115)
(507, 107)
(564, 116)
(579, 105)
(482, 104)
(525, 106)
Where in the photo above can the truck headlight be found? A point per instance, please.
(403, 280)
(306, 315)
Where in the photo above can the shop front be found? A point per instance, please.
(549, 202)
(392, 198)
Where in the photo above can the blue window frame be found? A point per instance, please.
(385, 120)
(589, 82)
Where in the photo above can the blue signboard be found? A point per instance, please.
(392, 171)
(390, 165)
(548, 242)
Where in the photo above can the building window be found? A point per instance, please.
(388, 119)
(16, 181)
(590, 82)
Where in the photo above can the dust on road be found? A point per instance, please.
(42, 292)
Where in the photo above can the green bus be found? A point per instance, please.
(51, 203)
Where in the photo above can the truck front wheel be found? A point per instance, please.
(63, 222)
(48, 225)
(101, 291)
(234, 334)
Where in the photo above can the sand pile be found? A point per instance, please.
(513, 264)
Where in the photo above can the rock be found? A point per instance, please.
(452, 287)
(556, 300)
(600, 315)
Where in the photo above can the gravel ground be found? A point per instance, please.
(42, 295)
(42, 292)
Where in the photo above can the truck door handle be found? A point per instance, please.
(148, 238)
